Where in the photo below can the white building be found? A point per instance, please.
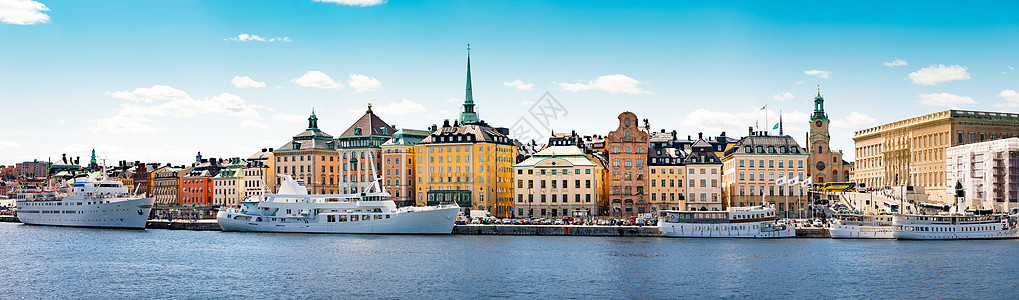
(988, 171)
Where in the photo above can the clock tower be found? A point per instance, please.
(818, 140)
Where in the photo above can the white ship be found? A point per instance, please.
(85, 203)
(857, 226)
(735, 222)
(292, 209)
(955, 226)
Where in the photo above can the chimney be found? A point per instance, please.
(688, 138)
(723, 133)
(263, 149)
(663, 130)
(445, 123)
(270, 149)
(700, 135)
(750, 130)
(673, 134)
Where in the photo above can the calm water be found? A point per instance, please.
(50, 262)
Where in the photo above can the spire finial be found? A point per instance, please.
(818, 89)
(369, 107)
(468, 49)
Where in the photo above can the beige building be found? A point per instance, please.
(260, 173)
(755, 163)
(559, 181)
(166, 185)
(310, 156)
(704, 178)
(912, 151)
(228, 185)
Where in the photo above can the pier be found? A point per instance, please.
(818, 233)
(202, 225)
(557, 230)
(9, 218)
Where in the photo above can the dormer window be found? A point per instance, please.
(782, 149)
(357, 130)
(760, 149)
(771, 149)
(748, 149)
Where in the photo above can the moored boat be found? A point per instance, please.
(734, 222)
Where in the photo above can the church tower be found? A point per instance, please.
(468, 115)
(823, 164)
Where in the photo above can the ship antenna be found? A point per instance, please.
(376, 179)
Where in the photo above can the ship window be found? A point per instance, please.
(387, 216)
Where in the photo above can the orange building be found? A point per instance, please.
(627, 146)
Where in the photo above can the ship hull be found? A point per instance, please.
(728, 230)
(839, 231)
(438, 221)
(127, 214)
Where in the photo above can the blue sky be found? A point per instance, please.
(155, 80)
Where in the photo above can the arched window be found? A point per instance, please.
(820, 149)
(834, 176)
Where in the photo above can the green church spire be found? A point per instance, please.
(312, 121)
(818, 106)
(468, 115)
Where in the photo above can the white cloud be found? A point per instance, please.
(1011, 68)
(403, 107)
(9, 145)
(149, 94)
(251, 123)
(945, 100)
(318, 80)
(292, 118)
(519, 85)
(1011, 98)
(818, 73)
(246, 82)
(614, 84)
(361, 3)
(854, 120)
(166, 101)
(23, 12)
(65, 120)
(932, 75)
(783, 96)
(363, 83)
(244, 37)
(896, 63)
(452, 100)
(798, 82)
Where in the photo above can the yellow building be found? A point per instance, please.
(468, 162)
(912, 151)
(260, 173)
(753, 166)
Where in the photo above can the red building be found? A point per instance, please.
(196, 191)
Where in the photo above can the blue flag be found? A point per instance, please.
(776, 126)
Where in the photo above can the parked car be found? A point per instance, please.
(559, 222)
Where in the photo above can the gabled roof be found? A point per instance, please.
(765, 141)
(369, 124)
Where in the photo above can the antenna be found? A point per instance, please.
(376, 179)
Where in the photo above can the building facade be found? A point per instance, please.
(704, 178)
(310, 156)
(823, 163)
(912, 151)
(667, 173)
(228, 185)
(467, 162)
(260, 173)
(627, 147)
(988, 172)
(753, 166)
(398, 169)
(166, 186)
(363, 138)
(559, 181)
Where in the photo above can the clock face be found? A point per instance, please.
(820, 166)
(818, 123)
